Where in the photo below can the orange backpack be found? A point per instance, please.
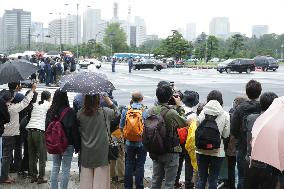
(133, 128)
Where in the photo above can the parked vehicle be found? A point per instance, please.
(266, 63)
(149, 64)
(86, 62)
(237, 65)
(215, 60)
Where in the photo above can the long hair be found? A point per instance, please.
(91, 104)
(45, 95)
(60, 100)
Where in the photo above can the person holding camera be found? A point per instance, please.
(12, 131)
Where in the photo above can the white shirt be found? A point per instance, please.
(12, 128)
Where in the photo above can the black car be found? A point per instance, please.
(238, 65)
(266, 63)
(149, 64)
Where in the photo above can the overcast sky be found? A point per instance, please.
(161, 16)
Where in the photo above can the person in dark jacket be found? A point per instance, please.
(260, 175)
(4, 114)
(238, 127)
(70, 124)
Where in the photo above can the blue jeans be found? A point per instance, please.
(135, 158)
(113, 67)
(166, 166)
(66, 159)
(129, 68)
(242, 168)
(211, 164)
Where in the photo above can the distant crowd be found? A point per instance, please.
(113, 141)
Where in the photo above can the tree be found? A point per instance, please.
(237, 44)
(212, 47)
(115, 37)
(200, 46)
(175, 46)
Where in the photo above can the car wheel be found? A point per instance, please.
(220, 71)
(264, 69)
(240, 72)
(98, 67)
(228, 70)
(134, 67)
(155, 68)
(248, 71)
(274, 69)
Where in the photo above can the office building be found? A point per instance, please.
(140, 30)
(152, 37)
(190, 31)
(64, 30)
(259, 30)
(115, 11)
(220, 27)
(36, 31)
(91, 21)
(15, 28)
(132, 36)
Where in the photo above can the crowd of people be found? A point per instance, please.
(113, 141)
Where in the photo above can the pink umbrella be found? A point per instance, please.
(268, 136)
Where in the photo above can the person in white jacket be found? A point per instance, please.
(11, 131)
(36, 138)
(209, 161)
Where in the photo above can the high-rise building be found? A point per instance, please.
(36, 31)
(190, 31)
(1, 35)
(220, 27)
(152, 37)
(16, 25)
(133, 35)
(115, 11)
(140, 30)
(259, 30)
(102, 26)
(91, 21)
(64, 30)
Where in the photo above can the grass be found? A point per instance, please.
(282, 63)
(201, 65)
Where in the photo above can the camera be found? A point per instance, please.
(176, 94)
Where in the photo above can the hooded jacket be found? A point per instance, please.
(214, 108)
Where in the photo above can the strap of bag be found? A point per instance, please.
(165, 111)
(64, 113)
(108, 133)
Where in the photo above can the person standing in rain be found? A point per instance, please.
(130, 64)
(113, 64)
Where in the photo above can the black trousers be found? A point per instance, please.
(231, 172)
(184, 157)
(262, 177)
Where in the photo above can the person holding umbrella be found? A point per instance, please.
(12, 131)
(95, 126)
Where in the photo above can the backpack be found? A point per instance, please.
(251, 108)
(133, 128)
(154, 134)
(56, 139)
(207, 134)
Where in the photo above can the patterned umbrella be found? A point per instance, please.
(16, 70)
(88, 83)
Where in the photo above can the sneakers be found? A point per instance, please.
(178, 185)
(41, 180)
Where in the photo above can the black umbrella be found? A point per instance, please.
(88, 83)
(16, 70)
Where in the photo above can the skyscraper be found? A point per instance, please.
(91, 21)
(64, 30)
(220, 27)
(115, 11)
(190, 31)
(16, 25)
(36, 31)
(259, 30)
(140, 30)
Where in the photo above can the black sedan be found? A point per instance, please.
(149, 64)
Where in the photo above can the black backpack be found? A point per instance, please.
(207, 134)
(252, 107)
(154, 134)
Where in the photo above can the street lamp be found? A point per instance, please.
(282, 51)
